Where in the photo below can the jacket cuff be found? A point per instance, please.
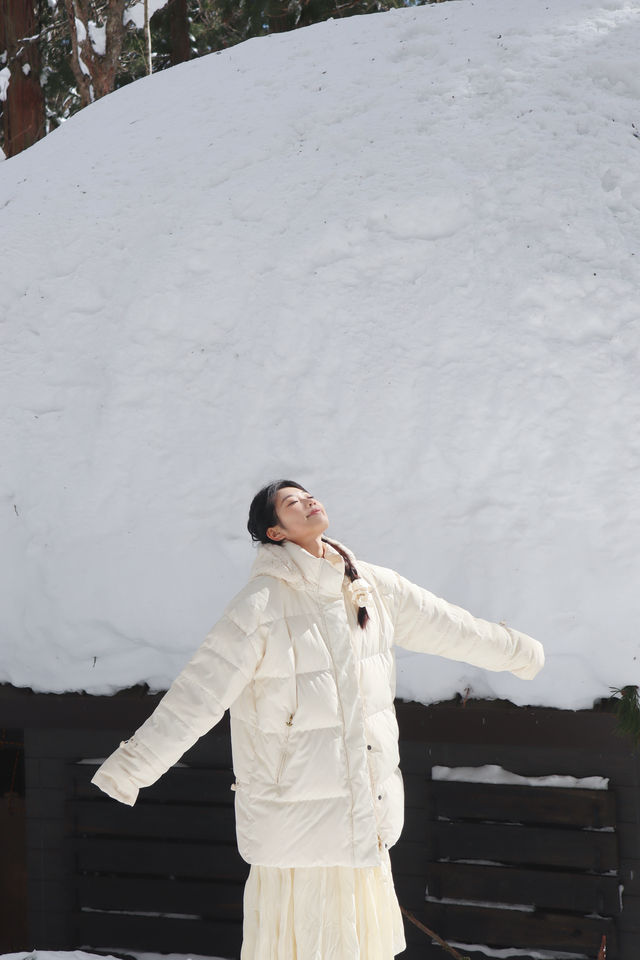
(124, 791)
(532, 650)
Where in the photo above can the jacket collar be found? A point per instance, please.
(300, 569)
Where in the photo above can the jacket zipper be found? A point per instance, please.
(285, 749)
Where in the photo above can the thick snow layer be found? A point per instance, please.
(394, 257)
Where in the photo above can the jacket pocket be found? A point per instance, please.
(284, 755)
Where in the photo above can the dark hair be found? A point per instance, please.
(262, 512)
(262, 515)
(352, 573)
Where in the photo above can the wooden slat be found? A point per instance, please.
(498, 722)
(508, 928)
(525, 804)
(77, 742)
(209, 898)
(513, 844)
(420, 947)
(46, 804)
(540, 760)
(151, 858)
(629, 943)
(579, 893)
(627, 803)
(101, 818)
(630, 877)
(46, 836)
(158, 934)
(417, 824)
(410, 858)
(632, 910)
(47, 710)
(13, 874)
(629, 836)
(534, 846)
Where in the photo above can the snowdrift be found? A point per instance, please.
(393, 257)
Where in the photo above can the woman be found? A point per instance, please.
(303, 657)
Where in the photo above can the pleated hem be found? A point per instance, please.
(321, 913)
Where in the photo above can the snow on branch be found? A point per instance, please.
(5, 77)
(134, 11)
(98, 37)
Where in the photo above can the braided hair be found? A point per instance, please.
(352, 573)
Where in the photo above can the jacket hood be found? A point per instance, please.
(297, 567)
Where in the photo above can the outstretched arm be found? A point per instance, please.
(195, 702)
(427, 624)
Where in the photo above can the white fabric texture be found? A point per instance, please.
(321, 913)
(313, 726)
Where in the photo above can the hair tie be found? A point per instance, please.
(361, 592)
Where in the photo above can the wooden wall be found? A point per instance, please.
(530, 742)
(165, 875)
(13, 867)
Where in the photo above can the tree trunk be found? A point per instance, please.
(23, 111)
(277, 16)
(180, 41)
(95, 72)
(147, 39)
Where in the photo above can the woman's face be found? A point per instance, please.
(301, 517)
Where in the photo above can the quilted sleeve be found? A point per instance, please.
(427, 624)
(215, 676)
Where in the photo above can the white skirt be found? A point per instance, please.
(321, 913)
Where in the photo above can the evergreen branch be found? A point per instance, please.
(628, 713)
(52, 31)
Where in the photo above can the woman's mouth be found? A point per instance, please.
(317, 510)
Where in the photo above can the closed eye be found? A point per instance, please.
(291, 499)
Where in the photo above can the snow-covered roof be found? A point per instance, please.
(393, 257)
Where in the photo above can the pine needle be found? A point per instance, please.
(628, 713)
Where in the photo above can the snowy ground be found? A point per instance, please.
(394, 257)
(82, 955)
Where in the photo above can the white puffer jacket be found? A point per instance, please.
(313, 726)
